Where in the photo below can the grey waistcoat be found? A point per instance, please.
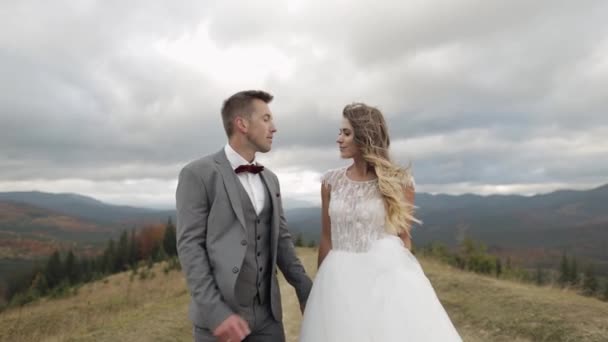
(253, 282)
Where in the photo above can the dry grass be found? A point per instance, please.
(488, 309)
(482, 308)
(109, 310)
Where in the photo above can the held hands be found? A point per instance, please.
(232, 329)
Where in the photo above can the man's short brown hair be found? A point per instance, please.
(241, 104)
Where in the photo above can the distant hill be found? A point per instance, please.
(565, 221)
(29, 220)
(306, 221)
(86, 207)
(535, 229)
(29, 234)
(34, 224)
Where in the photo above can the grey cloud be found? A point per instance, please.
(474, 91)
(483, 157)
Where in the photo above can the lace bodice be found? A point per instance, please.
(356, 211)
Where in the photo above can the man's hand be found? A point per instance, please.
(232, 329)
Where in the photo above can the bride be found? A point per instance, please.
(369, 287)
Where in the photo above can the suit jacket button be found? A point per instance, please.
(244, 242)
(235, 270)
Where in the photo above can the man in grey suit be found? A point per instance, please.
(232, 234)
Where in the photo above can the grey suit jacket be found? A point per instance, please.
(210, 229)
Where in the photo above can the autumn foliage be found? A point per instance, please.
(63, 269)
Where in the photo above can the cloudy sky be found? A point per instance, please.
(111, 98)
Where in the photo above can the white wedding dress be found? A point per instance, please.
(369, 287)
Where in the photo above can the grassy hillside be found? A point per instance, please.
(482, 308)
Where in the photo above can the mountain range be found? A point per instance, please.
(534, 229)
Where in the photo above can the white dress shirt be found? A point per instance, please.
(251, 182)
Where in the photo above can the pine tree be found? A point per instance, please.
(590, 283)
(170, 240)
(468, 253)
(54, 270)
(476, 259)
(39, 284)
(98, 266)
(299, 241)
(498, 267)
(160, 254)
(155, 253)
(109, 257)
(70, 267)
(133, 249)
(574, 277)
(122, 252)
(86, 270)
(564, 271)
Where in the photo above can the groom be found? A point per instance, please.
(232, 234)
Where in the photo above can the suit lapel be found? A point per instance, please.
(230, 180)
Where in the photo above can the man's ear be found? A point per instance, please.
(241, 124)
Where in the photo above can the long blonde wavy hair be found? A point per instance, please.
(371, 137)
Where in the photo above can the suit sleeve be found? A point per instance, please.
(288, 261)
(192, 211)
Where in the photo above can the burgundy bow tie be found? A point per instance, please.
(255, 169)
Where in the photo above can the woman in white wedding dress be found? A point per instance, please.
(369, 287)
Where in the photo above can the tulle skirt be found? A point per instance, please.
(380, 295)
